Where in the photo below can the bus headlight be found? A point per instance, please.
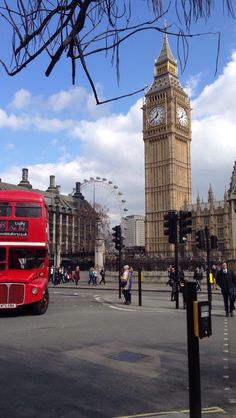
(34, 290)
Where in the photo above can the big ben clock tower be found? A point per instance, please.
(167, 138)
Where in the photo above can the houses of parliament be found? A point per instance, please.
(168, 186)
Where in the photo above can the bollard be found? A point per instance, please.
(140, 287)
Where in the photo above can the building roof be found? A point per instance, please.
(166, 53)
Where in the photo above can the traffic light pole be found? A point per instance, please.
(119, 268)
(208, 265)
(176, 272)
(177, 225)
(176, 243)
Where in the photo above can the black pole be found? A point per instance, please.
(139, 286)
(176, 264)
(193, 355)
(119, 269)
(208, 266)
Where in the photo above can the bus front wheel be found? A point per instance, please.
(41, 306)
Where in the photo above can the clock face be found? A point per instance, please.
(156, 115)
(182, 116)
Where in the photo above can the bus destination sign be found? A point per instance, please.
(17, 228)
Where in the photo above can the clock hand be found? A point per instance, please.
(154, 117)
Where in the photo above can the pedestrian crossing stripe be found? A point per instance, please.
(210, 410)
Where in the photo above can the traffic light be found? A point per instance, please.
(200, 239)
(214, 242)
(185, 225)
(117, 237)
(170, 226)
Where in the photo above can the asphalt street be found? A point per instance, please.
(92, 356)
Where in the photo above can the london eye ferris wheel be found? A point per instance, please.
(105, 198)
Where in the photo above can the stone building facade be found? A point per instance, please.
(219, 216)
(72, 222)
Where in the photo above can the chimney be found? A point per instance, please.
(78, 193)
(52, 187)
(24, 181)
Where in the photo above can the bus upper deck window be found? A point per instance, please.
(5, 209)
(28, 210)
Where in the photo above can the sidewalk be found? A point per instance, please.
(151, 287)
(160, 300)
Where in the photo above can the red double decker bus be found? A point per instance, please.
(23, 250)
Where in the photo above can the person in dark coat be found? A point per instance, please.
(77, 275)
(102, 274)
(226, 280)
(198, 276)
(182, 287)
(172, 282)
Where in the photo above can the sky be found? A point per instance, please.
(55, 128)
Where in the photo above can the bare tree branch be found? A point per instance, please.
(77, 29)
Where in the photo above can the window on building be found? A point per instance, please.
(220, 232)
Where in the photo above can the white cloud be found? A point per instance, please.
(218, 98)
(191, 85)
(21, 99)
(75, 100)
(9, 146)
(214, 134)
(111, 145)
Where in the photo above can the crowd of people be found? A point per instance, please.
(67, 274)
(221, 277)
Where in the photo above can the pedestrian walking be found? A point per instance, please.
(131, 276)
(95, 275)
(198, 276)
(182, 287)
(51, 274)
(226, 280)
(76, 275)
(214, 273)
(92, 276)
(102, 274)
(172, 283)
(125, 282)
